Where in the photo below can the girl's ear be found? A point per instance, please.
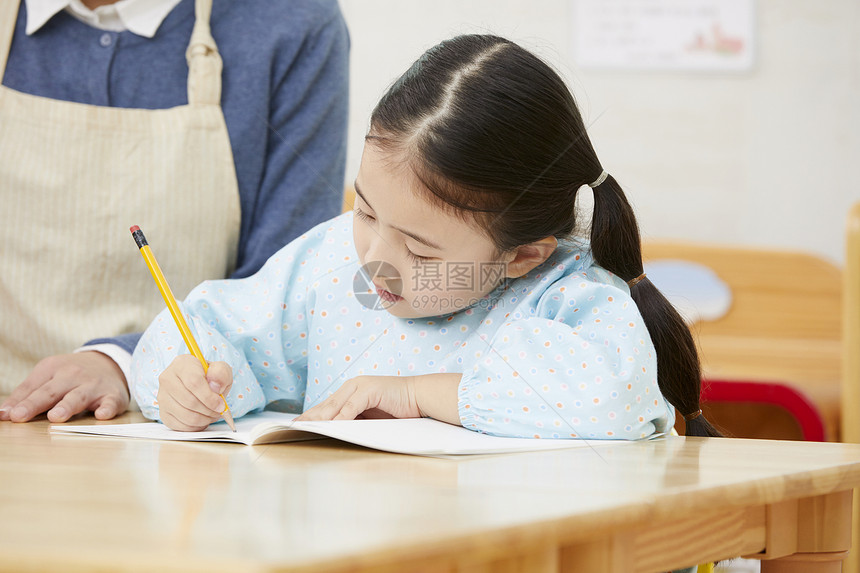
(523, 259)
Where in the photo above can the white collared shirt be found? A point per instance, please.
(141, 17)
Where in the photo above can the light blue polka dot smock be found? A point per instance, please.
(561, 352)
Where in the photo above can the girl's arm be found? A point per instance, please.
(436, 395)
(583, 367)
(257, 326)
(212, 311)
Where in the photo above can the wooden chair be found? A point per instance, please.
(851, 331)
(784, 327)
(851, 363)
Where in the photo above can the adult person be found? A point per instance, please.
(217, 126)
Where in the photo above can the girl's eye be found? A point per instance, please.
(370, 219)
(362, 215)
(416, 258)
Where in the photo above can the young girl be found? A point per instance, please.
(487, 312)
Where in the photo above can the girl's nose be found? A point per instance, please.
(376, 250)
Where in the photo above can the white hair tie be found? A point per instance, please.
(599, 180)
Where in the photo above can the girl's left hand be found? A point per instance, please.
(369, 396)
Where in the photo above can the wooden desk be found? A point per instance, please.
(785, 325)
(85, 504)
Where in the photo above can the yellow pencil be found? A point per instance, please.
(171, 303)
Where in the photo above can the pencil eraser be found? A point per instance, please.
(134, 228)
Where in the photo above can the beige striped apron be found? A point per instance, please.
(74, 178)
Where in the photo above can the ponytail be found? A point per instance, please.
(616, 247)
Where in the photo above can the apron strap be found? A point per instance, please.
(204, 61)
(8, 20)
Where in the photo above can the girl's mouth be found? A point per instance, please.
(387, 296)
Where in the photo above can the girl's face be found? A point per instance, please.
(422, 260)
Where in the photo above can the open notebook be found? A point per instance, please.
(419, 436)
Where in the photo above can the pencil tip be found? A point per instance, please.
(228, 417)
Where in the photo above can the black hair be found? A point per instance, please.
(492, 132)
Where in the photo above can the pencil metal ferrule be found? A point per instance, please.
(139, 238)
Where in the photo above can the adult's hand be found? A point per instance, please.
(67, 384)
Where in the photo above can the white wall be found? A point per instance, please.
(769, 158)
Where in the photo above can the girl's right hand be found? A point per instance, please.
(188, 399)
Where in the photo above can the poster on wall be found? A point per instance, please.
(683, 35)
